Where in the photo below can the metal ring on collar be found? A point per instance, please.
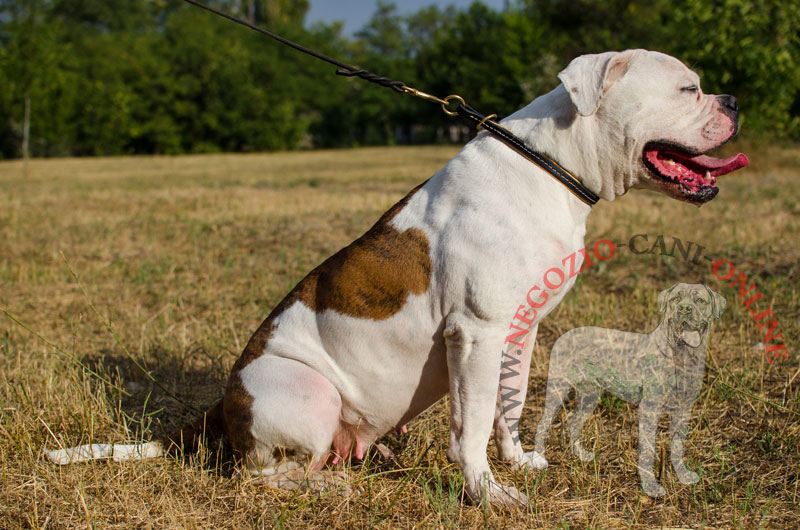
(484, 120)
(446, 103)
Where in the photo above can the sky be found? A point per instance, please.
(356, 13)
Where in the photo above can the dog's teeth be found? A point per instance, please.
(669, 161)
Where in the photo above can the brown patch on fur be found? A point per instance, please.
(237, 408)
(373, 276)
(371, 279)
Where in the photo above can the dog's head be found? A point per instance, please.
(650, 108)
(688, 311)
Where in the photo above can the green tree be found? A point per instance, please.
(270, 12)
(89, 77)
(473, 54)
(101, 15)
(31, 80)
(752, 52)
(749, 48)
(363, 113)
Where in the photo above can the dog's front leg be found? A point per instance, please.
(678, 423)
(473, 364)
(649, 412)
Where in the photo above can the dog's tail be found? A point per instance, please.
(188, 438)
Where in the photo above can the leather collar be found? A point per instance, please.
(479, 121)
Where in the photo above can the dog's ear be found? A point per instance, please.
(663, 296)
(587, 77)
(718, 302)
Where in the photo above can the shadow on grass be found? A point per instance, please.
(180, 391)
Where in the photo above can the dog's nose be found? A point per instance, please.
(685, 308)
(728, 102)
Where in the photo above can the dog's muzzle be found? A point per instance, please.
(730, 107)
(687, 325)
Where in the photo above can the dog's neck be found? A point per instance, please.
(551, 126)
(519, 187)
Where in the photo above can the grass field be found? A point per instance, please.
(108, 266)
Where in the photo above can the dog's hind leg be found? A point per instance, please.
(587, 401)
(287, 428)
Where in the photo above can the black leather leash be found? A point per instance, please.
(467, 113)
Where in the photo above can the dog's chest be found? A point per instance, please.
(489, 255)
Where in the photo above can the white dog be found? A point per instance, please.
(419, 305)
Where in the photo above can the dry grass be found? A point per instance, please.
(185, 256)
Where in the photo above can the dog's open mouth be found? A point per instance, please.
(691, 333)
(691, 337)
(694, 175)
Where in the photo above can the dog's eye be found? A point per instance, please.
(692, 89)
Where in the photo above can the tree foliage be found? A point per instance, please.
(159, 76)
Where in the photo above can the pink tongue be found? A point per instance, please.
(721, 166)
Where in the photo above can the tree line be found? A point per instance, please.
(90, 77)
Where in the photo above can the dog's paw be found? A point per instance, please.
(531, 460)
(506, 496)
(652, 488)
(583, 454)
(318, 482)
(686, 476)
(385, 454)
(486, 491)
